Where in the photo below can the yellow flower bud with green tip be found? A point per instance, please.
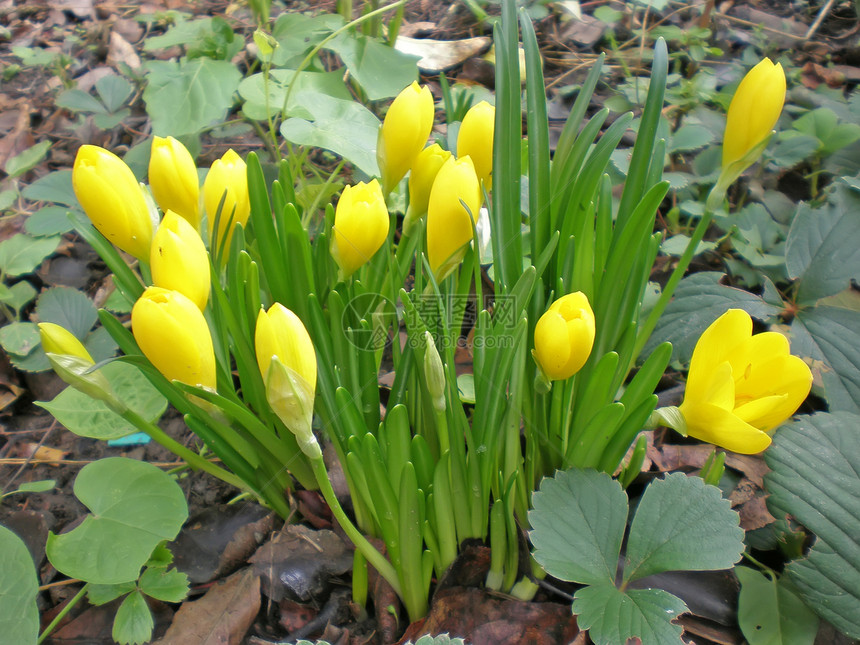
(449, 224)
(741, 386)
(228, 180)
(360, 226)
(173, 179)
(179, 260)
(403, 133)
(475, 139)
(172, 333)
(424, 171)
(288, 365)
(113, 199)
(59, 340)
(564, 336)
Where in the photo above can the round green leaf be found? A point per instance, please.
(134, 507)
(21, 254)
(68, 308)
(50, 220)
(769, 613)
(133, 622)
(19, 584)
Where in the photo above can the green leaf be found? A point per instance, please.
(254, 89)
(824, 125)
(791, 150)
(117, 303)
(19, 338)
(184, 97)
(578, 520)
(769, 613)
(28, 159)
(18, 295)
(21, 254)
(682, 524)
(50, 220)
(80, 101)
(298, 33)
(346, 128)
(823, 246)
(37, 487)
(7, 198)
(87, 417)
(19, 585)
(133, 623)
(815, 478)
(108, 121)
(134, 507)
(613, 617)
(183, 33)
(690, 137)
(699, 300)
(677, 244)
(831, 335)
(100, 344)
(69, 308)
(442, 639)
(164, 585)
(381, 71)
(114, 91)
(53, 187)
(102, 594)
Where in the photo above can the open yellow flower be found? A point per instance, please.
(173, 179)
(179, 260)
(741, 386)
(403, 133)
(564, 336)
(475, 139)
(360, 226)
(227, 179)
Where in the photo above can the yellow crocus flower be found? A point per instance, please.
(179, 260)
(173, 179)
(403, 133)
(564, 336)
(360, 226)
(475, 139)
(424, 171)
(227, 179)
(59, 340)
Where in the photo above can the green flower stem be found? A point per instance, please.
(373, 557)
(65, 610)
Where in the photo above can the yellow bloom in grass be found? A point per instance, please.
(113, 200)
(564, 336)
(288, 365)
(179, 260)
(59, 340)
(475, 139)
(360, 226)
(449, 224)
(740, 386)
(172, 333)
(403, 133)
(424, 171)
(754, 110)
(173, 179)
(227, 179)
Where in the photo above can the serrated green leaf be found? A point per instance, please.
(87, 417)
(381, 71)
(346, 128)
(791, 150)
(134, 507)
(254, 89)
(100, 344)
(682, 524)
(823, 245)
(690, 137)
(815, 478)
(53, 187)
(612, 617)
(69, 308)
(699, 300)
(28, 159)
(578, 520)
(101, 594)
(133, 622)
(18, 295)
(19, 338)
(79, 101)
(50, 220)
(22, 254)
(183, 33)
(832, 335)
(117, 303)
(108, 121)
(19, 585)
(165, 585)
(184, 97)
(769, 613)
(114, 91)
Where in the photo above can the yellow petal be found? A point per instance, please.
(552, 345)
(715, 346)
(59, 340)
(475, 139)
(361, 225)
(449, 225)
(173, 179)
(404, 132)
(720, 427)
(179, 260)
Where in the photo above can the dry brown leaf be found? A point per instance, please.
(441, 55)
(121, 51)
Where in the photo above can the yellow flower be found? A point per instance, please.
(59, 340)
(173, 179)
(227, 175)
(476, 139)
(403, 133)
(449, 225)
(172, 333)
(113, 200)
(288, 364)
(424, 171)
(754, 110)
(564, 336)
(179, 260)
(741, 386)
(360, 226)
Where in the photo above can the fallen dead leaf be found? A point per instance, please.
(121, 51)
(441, 55)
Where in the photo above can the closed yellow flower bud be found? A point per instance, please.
(113, 200)
(475, 139)
(288, 364)
(172, 333)
(59, 340)
(754, 110)
(179, 260)
(564, 336)
(403, 133)
(449, 225)
(360, 226)
(741, 386)
(227, 175)
(424, 171)
(173, 179)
